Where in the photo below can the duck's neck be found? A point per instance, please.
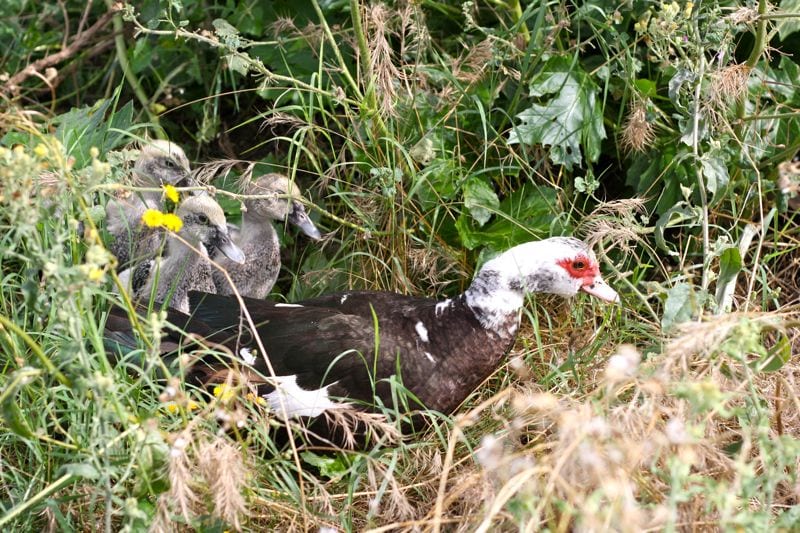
(259, 231)
(494, 301)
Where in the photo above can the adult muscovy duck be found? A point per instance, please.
(341, 350)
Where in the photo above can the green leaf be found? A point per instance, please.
(715, 173)
(83, 470)
(568, 119)
(329, 467)
(681, 77)
(730, 264)
(526, 214)
(679, 307)
(778, 354)
(227, 33)
(480, 199)
(677, 215)
(787, 26)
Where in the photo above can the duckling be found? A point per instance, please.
(167, 280)
(258, 239)
(159, 163)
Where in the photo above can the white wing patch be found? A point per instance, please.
(288, 305)
(297, 401)
(430, 357)
(247, 356)
(344, 299)
(422, 331)
(441, 306)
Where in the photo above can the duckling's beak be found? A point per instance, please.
(299, 218)
(598, 288)
(227, 247)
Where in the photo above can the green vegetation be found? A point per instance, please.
(429, 136)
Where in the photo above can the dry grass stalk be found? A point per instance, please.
(615, 222)
(382, 69)
(222, 466)
(638, 134)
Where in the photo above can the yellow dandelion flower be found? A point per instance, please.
(153, 218)
(192, 405)
(171, 222)
(171, 193)
(252, 398)
(224, 393)
(40, 150)
(171, 407)
(96, 274)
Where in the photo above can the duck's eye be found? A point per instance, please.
(203, 219)
(579, 264)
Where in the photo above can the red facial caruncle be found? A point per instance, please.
(580, 267)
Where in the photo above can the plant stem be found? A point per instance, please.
(36, 349)
(130, 77)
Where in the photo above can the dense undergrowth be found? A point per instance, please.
(428, 136)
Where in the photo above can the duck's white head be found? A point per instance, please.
(559, 265)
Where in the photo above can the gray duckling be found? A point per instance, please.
(258, 239)
(159, 163)
(168, 279)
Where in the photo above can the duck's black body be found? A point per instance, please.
(348, 349)
(331, 341)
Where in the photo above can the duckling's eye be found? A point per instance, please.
(169, 163)
(203, 219)
(579, 264)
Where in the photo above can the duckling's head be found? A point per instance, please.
(204, 222)
(283, 201)
(160, 163)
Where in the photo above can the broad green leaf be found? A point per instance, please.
(787, 26)
(730, 264)
(227, 33)
(679, 307)
(526, 214)
(480, 199)
(568, 118)
(715, 173)
(681, 77)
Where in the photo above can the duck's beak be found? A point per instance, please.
(598, 288)
(299, 218)
(227, 247)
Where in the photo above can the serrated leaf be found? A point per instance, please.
(570, 119)
(679, 306)
(237, 64)
(787, 26)
(480, 200)
(227, 33)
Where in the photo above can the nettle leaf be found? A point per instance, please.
(568, 118)
(787, 26)
(679, 306)
(480, 199)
